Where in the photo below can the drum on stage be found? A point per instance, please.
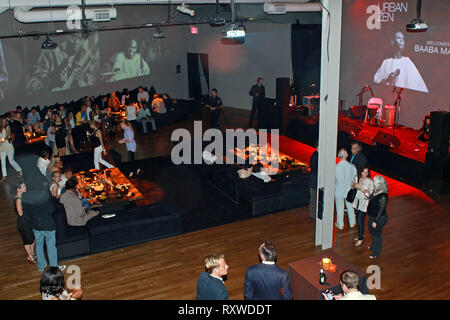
(389, 115)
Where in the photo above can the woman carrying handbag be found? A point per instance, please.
(364, 187)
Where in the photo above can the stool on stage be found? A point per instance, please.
(389, 115)
(373, 107)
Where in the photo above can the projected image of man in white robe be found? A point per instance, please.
(399, 71)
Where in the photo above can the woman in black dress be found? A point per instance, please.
(24, 229)
(376, 210)
(60, 135)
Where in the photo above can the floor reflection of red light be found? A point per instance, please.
(151, 191)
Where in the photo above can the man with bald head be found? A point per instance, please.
(345, 175)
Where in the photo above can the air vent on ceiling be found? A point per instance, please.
(102, 15)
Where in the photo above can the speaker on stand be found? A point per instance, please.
(439, 133)
(437, 158)
(282, 103)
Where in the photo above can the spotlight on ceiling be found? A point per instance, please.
(185, 10)
(48, 43)
(417, 24)
(84, 34)
(217, 20)
(159, 34)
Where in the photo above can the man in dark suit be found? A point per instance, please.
(358, 158)
(214, 103)
(267, 281)
(258, 92)
(210, 284)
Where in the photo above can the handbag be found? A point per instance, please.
(351, 195)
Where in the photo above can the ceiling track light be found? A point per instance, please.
(159, 34)
(217, 20)
(48, 43)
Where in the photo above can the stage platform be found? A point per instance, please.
(398, 153)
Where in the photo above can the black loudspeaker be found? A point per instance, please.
(358, 112)
(439, 133)
(282, 99)
(386, 139)
(349, 126)
(438, 174)
(268, 115)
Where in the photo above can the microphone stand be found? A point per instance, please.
(360, 96)
(397, 107)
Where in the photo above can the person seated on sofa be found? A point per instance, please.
(67, 173)
(168, 102)
(144, 117)
(46, 163)
(55, 189)
(77, 215)
(158, 105)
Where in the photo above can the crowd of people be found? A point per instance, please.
(358, 194)
(53, 183)
(65, 132)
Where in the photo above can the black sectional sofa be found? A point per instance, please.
(130, 226)
(287, 191)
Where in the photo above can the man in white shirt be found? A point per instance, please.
(130, 64)
(345, 174)
(144, 117)
(142, 95)
(44, 164)
(349, 285)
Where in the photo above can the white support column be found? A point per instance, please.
(329, 106)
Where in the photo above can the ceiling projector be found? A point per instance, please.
(234, 33)
(417, 25)
(48, 44)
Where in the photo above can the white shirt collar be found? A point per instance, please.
(356, 293)
(220, 278)
(268, 262)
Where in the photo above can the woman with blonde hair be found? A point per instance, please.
(7, 149)
(376, 210)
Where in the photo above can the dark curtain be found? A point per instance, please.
(205, 67)
(195, 87)
(306, 47)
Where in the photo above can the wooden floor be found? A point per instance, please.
(414, 262)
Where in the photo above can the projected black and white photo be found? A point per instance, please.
(399, 70)
(127, 64)
(3, 71)
(75, 63)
